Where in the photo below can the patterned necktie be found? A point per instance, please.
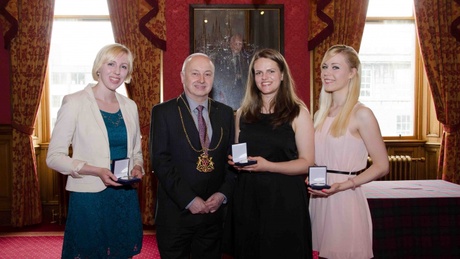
(202, 130)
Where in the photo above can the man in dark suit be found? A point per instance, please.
(232, 67)
(189, 157)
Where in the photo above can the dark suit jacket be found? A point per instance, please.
(228, 87)
(174, 161)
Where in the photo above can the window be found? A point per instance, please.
(365, 83)
(388, 56)
(403, 124)
(80, 29)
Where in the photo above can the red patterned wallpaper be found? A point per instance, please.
(295, 42)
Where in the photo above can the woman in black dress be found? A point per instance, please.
(270, 216)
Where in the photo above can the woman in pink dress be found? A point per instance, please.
(346, 133)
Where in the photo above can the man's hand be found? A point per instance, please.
(198, 206)
(213, 203)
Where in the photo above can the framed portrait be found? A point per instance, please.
(230, 35)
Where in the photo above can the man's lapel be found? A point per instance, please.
(216, 123)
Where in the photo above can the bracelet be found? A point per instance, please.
(354, 184)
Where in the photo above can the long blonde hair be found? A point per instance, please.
(340, 123)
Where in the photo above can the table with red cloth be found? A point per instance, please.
(415, 219)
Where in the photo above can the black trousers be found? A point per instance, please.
(196, 242)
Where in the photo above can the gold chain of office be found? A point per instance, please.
(204, 163)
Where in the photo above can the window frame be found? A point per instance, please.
(419, 87)
(42, 133)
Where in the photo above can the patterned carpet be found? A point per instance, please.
(48, 245)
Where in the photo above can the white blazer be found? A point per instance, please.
(80, 124)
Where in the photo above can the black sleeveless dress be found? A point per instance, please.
(270, 210)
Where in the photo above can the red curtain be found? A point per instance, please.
(29, 49)
(141, 26)
(439, 35)
(333, 22)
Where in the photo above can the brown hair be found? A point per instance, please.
(286, 104)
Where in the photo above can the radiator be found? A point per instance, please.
(402, 167)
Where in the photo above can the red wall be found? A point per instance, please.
(5, 100)
(177, 26)
(295, 42)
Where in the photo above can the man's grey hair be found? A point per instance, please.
(194, 55)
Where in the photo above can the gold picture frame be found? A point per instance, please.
(215, 29)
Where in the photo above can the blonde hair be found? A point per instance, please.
(110, 52)
(340, 123)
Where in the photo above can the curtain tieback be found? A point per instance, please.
(452, 128)
(23, 128)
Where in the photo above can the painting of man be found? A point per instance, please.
(231, 73)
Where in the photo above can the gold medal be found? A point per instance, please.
(204, 163)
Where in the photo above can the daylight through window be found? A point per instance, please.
(80, 29)
(387, 55)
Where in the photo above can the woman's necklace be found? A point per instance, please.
(204, 163)
(113, 119)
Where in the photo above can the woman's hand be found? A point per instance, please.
(258, 166)
(137, 172)
(335, 188)
(108, 178)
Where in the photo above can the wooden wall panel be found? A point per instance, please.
(5, 174)
(432, 155)
(49, 186)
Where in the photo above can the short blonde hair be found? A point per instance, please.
(110, 52)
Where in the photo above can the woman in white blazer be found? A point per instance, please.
(100, 126)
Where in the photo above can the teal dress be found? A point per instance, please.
(105, 224)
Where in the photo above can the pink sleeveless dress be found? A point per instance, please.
(341, 223)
